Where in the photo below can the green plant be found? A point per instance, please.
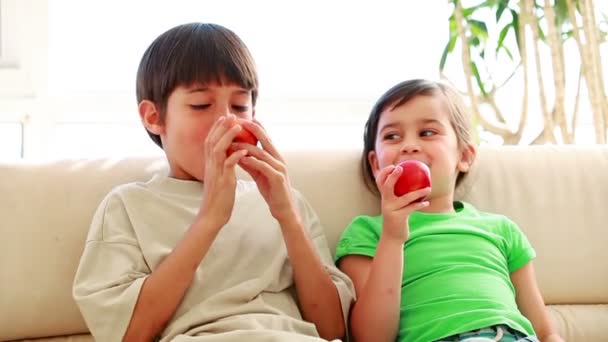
(522, 26)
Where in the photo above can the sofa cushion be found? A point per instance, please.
(556, 194)
(46, 211)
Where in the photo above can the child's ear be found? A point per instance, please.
(372, 158)
(467, 158)
(150, 117)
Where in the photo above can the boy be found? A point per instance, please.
(199, 255)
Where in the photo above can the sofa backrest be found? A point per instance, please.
(557, 195)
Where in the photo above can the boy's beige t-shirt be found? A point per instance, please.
(243, 288)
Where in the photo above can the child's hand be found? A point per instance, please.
(220, 177)
(396, 210)
(268, 170)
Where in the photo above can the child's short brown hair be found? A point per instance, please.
(189, 54)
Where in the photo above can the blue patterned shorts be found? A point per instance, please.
(500, 333)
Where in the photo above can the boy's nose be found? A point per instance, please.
(224, 111)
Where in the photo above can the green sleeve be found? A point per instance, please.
(360, 237)
(520, 250)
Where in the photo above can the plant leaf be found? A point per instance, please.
(502, 6)
(478, 78)
(478, 28)
(449, 47)
(515, 25)
(541, 33)
(508, 52)
(502, 35)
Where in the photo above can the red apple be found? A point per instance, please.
(416, 175)
(244, 136)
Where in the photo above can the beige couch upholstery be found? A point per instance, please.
(558, 195)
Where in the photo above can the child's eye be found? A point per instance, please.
(240, 108)
(427, 133)
(391, 136)
(200, 106)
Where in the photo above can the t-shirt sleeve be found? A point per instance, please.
(520, 250)
(360, 237)
(344, 285)
(111, 272)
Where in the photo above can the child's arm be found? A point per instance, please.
(531, 304)
(378, 280)
(163, 290)
(375, 314)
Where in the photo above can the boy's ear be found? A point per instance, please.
(150, 117)
(372, 158)
(467, 157)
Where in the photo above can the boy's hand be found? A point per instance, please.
(268, 170)
(220, 177)
(397, 209)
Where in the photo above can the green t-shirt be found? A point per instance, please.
(456, 270)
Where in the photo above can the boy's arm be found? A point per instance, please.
(378, 286)
(531, 304)
(163, 290)
(317, 293)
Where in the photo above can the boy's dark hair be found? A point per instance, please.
(399, 95)
(189, 54)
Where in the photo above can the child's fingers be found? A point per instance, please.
(410, 197)
(384, 173)
(393, 177)
(417, 205)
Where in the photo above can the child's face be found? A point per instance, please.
(190, 113)
(420, 129)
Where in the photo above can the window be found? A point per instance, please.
(11, 140)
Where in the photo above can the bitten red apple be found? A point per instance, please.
(244, 136)
(416, 175)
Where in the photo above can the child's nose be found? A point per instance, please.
(410, 147)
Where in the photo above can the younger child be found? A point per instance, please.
(435, 270)
(197, 255)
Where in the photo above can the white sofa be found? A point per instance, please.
(558, 195)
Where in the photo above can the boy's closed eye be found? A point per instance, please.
(236, 108)
(199, 106)
(239, 108)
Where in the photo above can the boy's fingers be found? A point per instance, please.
(221, 147)
(262, 155)
(219, 128)
(260, 133)
(259, 166)
(234, 158)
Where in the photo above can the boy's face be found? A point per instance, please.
(190, 113)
